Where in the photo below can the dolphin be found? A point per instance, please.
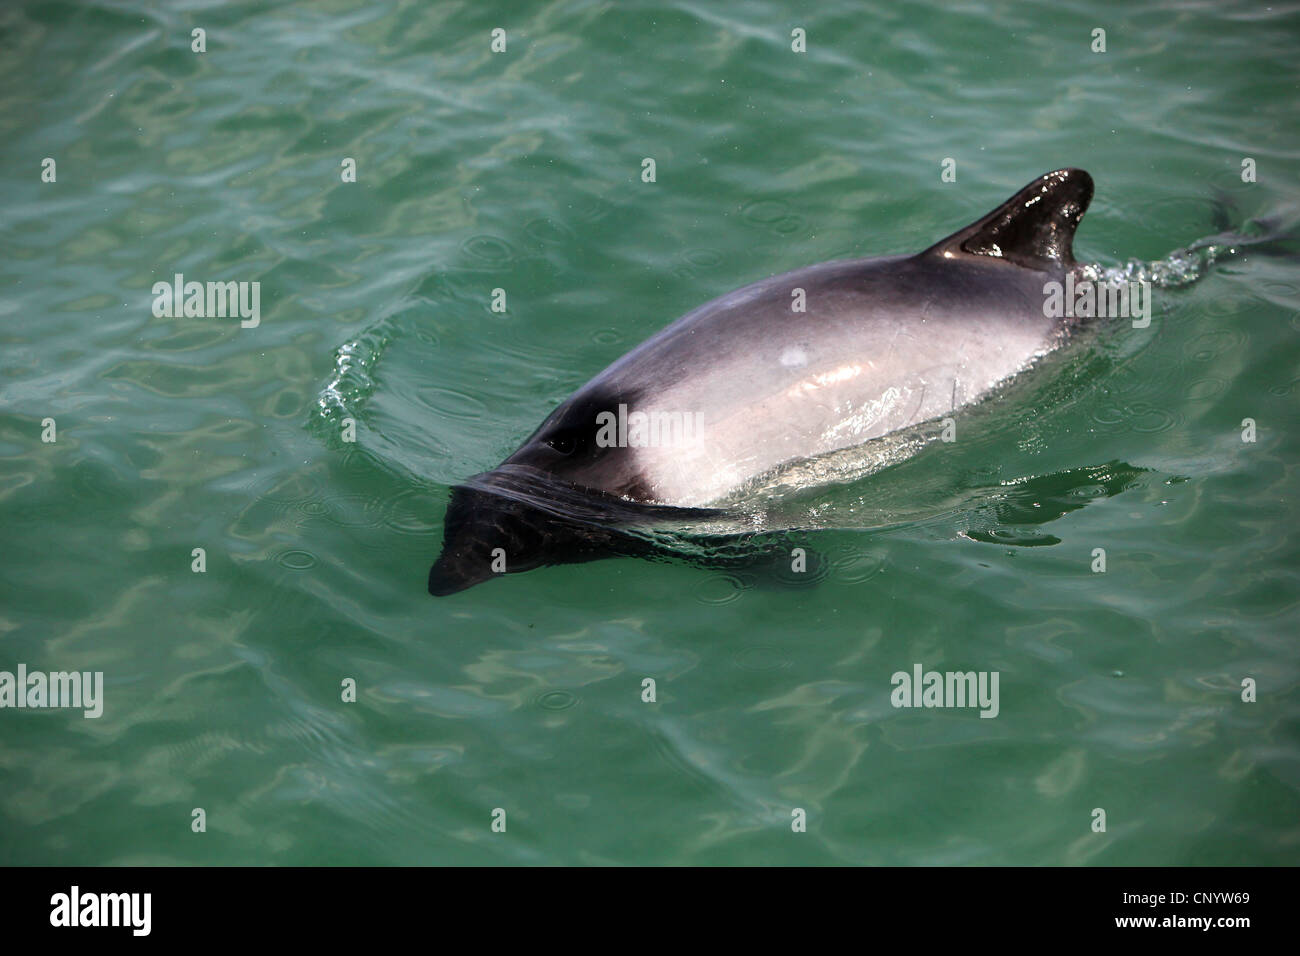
(819, 360)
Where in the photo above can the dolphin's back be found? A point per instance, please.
(831, 356)
(883, 344)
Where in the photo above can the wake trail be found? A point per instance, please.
(1277, 234)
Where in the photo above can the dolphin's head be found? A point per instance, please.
(486, 533)
(516, 518)
(567, 495)
(578, 445)
(561, 498)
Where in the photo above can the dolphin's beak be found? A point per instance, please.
(455, 571)
(496, 524)
(479, 541)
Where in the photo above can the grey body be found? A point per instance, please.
(884, 343)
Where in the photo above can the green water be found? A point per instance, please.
(521, 170)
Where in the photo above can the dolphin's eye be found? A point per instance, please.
(566, 442)
(581, 429)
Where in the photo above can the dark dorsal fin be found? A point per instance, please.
(1034, 228)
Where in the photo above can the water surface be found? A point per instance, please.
(521, 171)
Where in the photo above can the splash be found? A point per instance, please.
(352, 382)
(1180, 268)
(1270, 235)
